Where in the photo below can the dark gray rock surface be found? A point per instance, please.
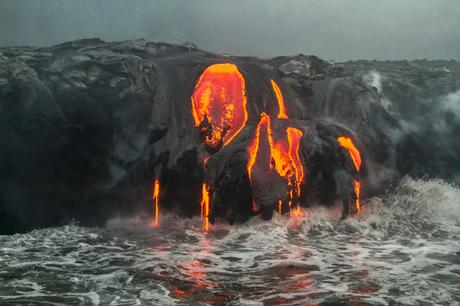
(85, 127)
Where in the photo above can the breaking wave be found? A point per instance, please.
(403, 248)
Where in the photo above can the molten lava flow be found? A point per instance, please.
(284, 156)
(347, 143)
(219, 100)
(156, 193)
(279, 96)
(205, 200)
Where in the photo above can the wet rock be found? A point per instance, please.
(190, 45)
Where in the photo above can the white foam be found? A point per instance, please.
(405, 240)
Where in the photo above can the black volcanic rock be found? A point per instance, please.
(87, 125)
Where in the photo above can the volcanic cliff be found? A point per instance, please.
(89, 128)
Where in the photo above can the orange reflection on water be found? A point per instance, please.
(196, 283)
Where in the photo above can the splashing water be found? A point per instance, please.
(403, 248)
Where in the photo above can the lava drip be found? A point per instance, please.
(156, 195)
(219, 104)
(355, 155)
(219, 111)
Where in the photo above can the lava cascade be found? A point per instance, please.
(284, 152)
(284, 156)
(219, 109)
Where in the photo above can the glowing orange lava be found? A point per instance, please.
(284, 156)
(279, 97)
(220, 98)
(204, 205)
(348, 144)
(156, 194)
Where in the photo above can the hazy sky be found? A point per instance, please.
(332, 29)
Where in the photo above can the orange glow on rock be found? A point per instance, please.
(220, 96)
(284, 155)
(156, 194)
(279, 97)
(348, 144)
(204, 206)
(254, 146)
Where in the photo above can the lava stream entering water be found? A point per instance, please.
(204, 205)
(355, 155)
(156, 195)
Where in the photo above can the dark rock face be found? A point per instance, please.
(86, 126)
